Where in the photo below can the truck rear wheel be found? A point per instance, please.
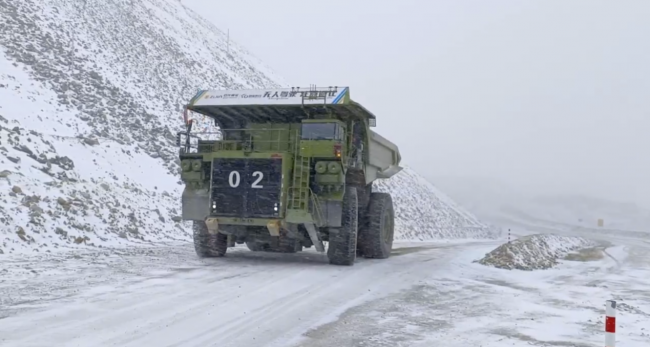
(208, 245)
(342, 248)
(377, 229)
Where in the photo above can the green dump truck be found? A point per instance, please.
(287, 169)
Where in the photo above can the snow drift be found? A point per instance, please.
(534, 252)
(89, 106)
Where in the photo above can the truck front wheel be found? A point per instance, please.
(342, 248)
(377, 229)
(208, 245)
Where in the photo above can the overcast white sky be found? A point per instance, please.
(548, 95)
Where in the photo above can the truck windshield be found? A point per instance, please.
(318, 131)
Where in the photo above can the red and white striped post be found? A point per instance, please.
(610, 323)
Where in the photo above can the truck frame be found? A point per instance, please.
(288, 169)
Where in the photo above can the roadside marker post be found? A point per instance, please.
(610, 323)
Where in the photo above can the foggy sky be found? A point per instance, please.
(549, 96)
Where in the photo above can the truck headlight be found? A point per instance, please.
(321, 167)
(186, 165)
(334, 167)
(196, 165)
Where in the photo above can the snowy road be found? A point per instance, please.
(422, 295)
(243, 300)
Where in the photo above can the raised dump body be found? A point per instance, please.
(384, 158)
(288, 169)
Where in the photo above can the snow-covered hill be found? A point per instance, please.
(584, 211)
(426, 213)
(90, 99)
(495, 201)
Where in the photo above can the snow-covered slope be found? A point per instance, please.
(90, 96)
(426, 213)
(90, 99)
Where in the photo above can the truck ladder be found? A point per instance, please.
(300, 186)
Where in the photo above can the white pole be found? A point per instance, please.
(610, 323)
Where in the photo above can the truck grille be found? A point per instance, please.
(246, 188)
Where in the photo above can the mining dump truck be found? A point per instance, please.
(287, 169)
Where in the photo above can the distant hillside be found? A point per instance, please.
(495, 201)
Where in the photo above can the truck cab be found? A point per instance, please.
(322, 138)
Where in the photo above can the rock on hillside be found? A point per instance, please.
(425, 213)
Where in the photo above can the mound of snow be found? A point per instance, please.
(534, 252)
(89, 108)
(425, 213)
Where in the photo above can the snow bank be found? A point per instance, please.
(425, 213)
(534, 252)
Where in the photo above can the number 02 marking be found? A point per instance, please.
(234, 179)
(260, 176)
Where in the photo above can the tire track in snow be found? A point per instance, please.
(196, 310)
(274, 300)
(119, 311)
(283, 308)
(618, 263)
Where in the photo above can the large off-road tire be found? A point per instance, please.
(342, 248)
(377, 229)
(363, 196)
(208, 245)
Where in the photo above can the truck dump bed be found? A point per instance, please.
(384, 158)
